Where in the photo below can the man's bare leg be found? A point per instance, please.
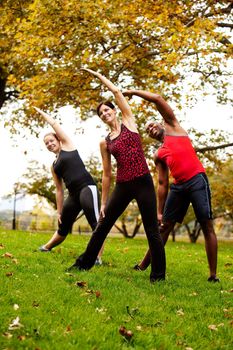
(211, 247)
(165, 229)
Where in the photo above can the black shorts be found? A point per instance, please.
(195, 191)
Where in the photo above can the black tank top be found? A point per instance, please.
(70, 167)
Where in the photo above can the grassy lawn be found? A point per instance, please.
(45, 308)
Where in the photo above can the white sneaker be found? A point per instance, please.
(98, 261)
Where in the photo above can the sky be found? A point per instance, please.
(17, 152)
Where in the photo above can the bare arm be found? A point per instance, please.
(107, 175)
(59, 193)
(163, 107)
(127, 116)
(163, 183)
(62, 136)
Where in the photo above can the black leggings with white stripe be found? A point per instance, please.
(142, 190)
(87, 200)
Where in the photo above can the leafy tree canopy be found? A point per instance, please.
(154, 44)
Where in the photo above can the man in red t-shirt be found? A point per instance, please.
(190, 181)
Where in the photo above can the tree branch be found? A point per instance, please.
(212, 148)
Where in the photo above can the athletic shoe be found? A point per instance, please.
(75, 266)
(98, 261)
(43, 249)
(137, 268)
(213, 279)
(156, 279)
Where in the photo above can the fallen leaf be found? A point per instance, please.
(7, 335)
(15, 306)
(213, 327)
(21, 337)
(8, 255)
(35, 304)
(89, 291)
(15, 261)
(97, 294)
(228, 264)
(101, 310)
(1, 246)
(221, 325)
(127, 334)
(180, 312)
(9, 274)
(15, 324)
(81, 284)
(68, 329)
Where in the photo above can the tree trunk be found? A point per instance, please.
(194, 234)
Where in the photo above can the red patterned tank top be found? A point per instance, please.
(129, 155)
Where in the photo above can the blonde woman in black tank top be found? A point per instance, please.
(69, 168)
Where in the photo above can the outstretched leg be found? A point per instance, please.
(118, 202)
(55, 240)
(70, 211)
(211, 246)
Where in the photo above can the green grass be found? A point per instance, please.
(55, 313)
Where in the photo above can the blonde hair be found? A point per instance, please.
(51, 133)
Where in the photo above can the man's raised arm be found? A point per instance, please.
(163, 107)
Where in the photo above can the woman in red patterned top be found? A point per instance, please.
(133, 181)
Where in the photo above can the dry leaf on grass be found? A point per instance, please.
(81, 284)
(8, 255)
(21, 337)
(7, 335)
(126, 333)
(9, 274)
(213, 327)
(180, 312)
(15, 306)
(15, 324)
(97, 293)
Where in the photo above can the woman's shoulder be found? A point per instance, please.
(103, 142)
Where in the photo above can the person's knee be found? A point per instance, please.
(207, 228)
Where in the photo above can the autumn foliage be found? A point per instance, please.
(152, 44)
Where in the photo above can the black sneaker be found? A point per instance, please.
(213, 279)
(75, 266)
(156, 279)
(137, 268)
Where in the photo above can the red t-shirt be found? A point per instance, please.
(180, 156)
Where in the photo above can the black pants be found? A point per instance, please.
(142, 190)
(87, 200)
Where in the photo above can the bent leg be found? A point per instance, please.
(70, 211)
(55, 240)
(211, 245)
(165, 230)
